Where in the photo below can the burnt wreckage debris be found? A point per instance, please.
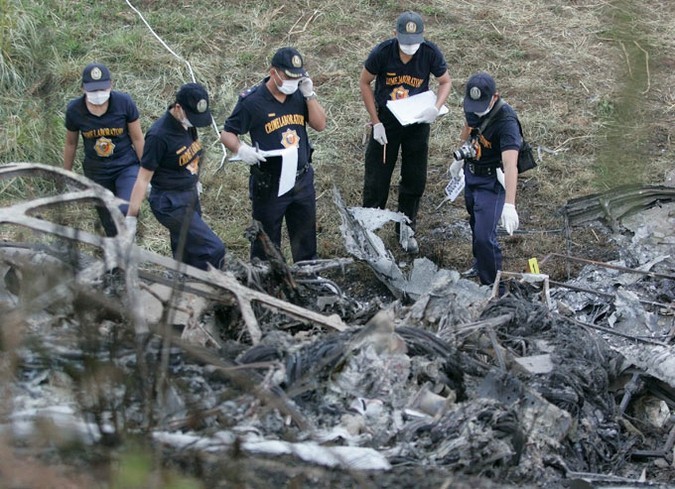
(550, 386)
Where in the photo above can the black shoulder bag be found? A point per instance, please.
(526, 159)
(525, 156)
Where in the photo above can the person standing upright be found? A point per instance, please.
(170, 162)
(109, 124)
(490, 170)
(401, 67)
(276, 113)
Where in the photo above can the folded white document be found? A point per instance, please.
(289, 166)
(407, 110)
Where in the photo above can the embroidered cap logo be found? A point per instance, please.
(411, 27)
(96, 73)
(475, 93)
(296, 61)
(202, 105)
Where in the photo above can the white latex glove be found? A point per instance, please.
(509, 220)
(249, 155)
(130, 223)
(457, 169)
(379, 134)
(500, 177)
(306, 87)
(428, 115)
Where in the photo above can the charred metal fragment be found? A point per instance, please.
(616, 203)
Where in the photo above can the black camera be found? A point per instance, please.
(466, 152)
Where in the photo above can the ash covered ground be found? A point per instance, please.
(420, 379)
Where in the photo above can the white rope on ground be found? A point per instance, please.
(192, 75)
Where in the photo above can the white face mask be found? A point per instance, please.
(481, 114)
(288, 87)
(409, 49)
(185, 122)
(99, 97)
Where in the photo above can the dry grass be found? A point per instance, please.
(575, 71)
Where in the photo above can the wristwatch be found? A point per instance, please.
(311, 96)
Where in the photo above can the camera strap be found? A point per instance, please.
(500, 103)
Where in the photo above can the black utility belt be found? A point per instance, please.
(191, 188)
(483, 170)
(258, 169)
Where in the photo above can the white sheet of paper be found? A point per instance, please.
(289, 167)
(408, 109)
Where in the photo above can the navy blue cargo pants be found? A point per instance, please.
(297, 206)
(192, 240)
(413, 142)
(120, 183)
(484, 198)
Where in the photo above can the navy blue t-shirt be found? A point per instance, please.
(107, 145)
(503, 133)
(173, 153)
(272, 124)
(396, 80)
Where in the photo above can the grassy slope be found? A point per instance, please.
(575, 71)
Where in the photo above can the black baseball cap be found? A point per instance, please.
(479, 91)
(290, 62)
(96, 76)
(410, 28)
(194, 100)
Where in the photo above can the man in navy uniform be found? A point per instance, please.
(109, 124)
(400, 67)
(171, 163)
(491, 176)
(276, 113)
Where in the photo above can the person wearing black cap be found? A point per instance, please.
(109, 124)
(275, 113)
(491, 176)
(400, 67)
(170, 163)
